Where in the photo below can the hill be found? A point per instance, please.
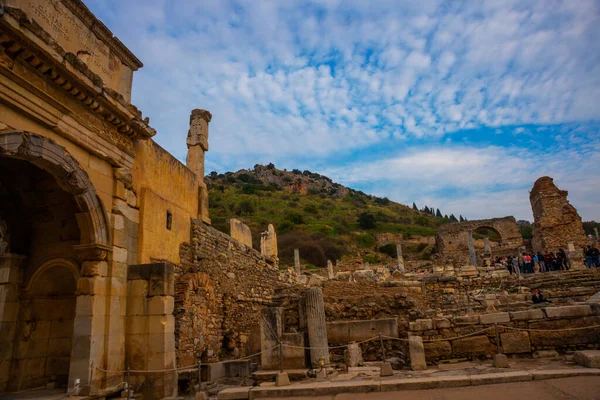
(324, 219)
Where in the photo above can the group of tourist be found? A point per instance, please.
(536, 262)
(592, 257)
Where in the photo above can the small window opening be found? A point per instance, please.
(169, 220)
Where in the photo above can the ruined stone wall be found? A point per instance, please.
(556, 222)
(221, 288)
(550, 323)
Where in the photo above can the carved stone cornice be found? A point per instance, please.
(103, 33)
(22, 39)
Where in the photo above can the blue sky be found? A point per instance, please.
(460, 105)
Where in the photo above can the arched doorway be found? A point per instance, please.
(52, 222)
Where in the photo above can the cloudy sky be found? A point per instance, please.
(459, 105)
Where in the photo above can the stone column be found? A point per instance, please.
(271, 330)
(10, 280)
(472, 255)
(486, 245)
(197, 144)
(297, 261)
(417, 353)
(330, 274)
(317, 327)
(400, 257)
(575, 258)
(268, 242)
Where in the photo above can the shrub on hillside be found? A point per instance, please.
(365, 240)
(244, 207)
(389, 249)
(366, 220)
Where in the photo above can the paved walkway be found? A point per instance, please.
(578, 388)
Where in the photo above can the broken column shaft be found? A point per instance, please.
(317, 327)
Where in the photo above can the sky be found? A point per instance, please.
(458, 105)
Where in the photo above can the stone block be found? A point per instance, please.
(293, 357)
(161, 324)
(10, 311)
(500, 377)
(441, 323)
(473, 346)
(58, 328)
(240, 232)
(515, 342)
(161, 305)
(59, 347)
(282, 379)
(92, 285)
(438, 350)
(417, 353)
(161, 343)
(527, 314)
(421, 325)
(136, 306)
(136, 325)
(386, 369)
(119, 254)
(587, 358)
(495, 318)
(500, 361)
(94, 268)
(87, 305)
(89, 325)
(582, 310)
(137, 288)
(353, 355)
(466, 320)
(353, 331)
(121, 207)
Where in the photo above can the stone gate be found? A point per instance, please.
(452, 240)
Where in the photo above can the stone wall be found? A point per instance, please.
(512, 341)
(556, 222)
(220, 289)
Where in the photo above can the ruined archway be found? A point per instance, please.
(452, 240)
(48, 155)
(52, 222)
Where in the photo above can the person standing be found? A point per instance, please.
(542, 261)
(515, 266)
(595, 256)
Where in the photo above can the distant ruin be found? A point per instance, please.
(556, 222)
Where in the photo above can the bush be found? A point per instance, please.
(244, 207)
(371, 259)
(389, 249)
(295, 218)
(382, 202)
(366, 220)
(311, 209)
(248, 188)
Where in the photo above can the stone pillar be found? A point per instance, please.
(400, 257)
(330, 274)
(472, 254)
(486, 246)
(91, 333)
(317, 327)
(240, 232)
(417, 353)
(271, 330)
(297, 261)
(150, 339)
(575, 258)
(197, 141)
(197, 144)
(10, 279)
(268, 242)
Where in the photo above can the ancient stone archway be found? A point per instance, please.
(50, 156)
(452, 240)
(52, 212)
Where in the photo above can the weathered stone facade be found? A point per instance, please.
(84, 194)
(227, 284)
(556, 223)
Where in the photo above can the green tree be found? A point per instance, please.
(366, 220)
(438, 213)
(453, 218)
(415, 206)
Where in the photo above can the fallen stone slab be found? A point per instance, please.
(238, 393)
(568, 311)
(433, 382)
(587, 358)
(494, 318)
(527, 314)
(564, 373)
(500, 377)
